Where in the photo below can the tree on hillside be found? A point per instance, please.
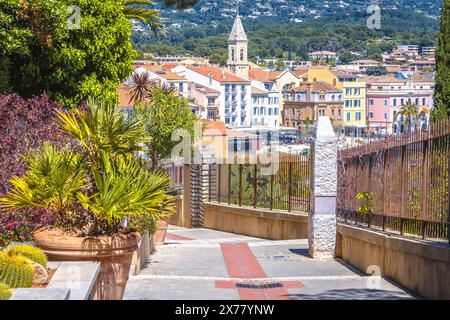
(442, 88)
(376, 71)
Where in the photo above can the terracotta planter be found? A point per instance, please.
(115, 254)
(161, 230)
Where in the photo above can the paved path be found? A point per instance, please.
(201, 264)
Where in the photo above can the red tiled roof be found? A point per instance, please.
(263, 75)
(163, 73)
(215, 128)
(365, 62)
(218, 74)
(124, 97)
(300, 73)
(317, 86)
(204, 89)
(258, 91)
(169, 66)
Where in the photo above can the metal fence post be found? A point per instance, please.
(255, 184)
(229, 184)
(240, 186)
(403, 189)
(448, 187)
(424, 187)
(271, 191)
(209, 183)
(289, 185)
(219, 182)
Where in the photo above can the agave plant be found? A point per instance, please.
(97, 182)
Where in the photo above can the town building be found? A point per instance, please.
(386, 94)
(235, 92)
(164, 77)
(363, 64)
(276, 84)
(238, 50)
(204, 101)
(308, 101)
(428, 51)
(323, 55)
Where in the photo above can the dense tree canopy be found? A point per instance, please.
(273, 38)
(442, 95)
(42, 54)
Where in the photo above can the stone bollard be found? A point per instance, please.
(322, 215)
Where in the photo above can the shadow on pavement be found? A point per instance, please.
(352, 294)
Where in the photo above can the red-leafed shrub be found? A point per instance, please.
(24, 126)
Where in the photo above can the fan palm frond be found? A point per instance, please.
(138, 10)
(53, 178)
(104, 127)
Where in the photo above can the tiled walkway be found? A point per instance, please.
(201, 264)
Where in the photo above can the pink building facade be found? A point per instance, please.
(386, 95)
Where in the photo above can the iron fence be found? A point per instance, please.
(408, 179)
(288, 188)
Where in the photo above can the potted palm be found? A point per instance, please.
(99, 191)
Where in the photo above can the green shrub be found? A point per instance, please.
(5, 292)
(33, 253)
(16, 271)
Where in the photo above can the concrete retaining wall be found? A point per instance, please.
(420, 266)
(182, 217)
(274, 225)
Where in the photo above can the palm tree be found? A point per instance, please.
(410, 111)
(141, 87)
(98, 182)
(138, 86)
(139, 10)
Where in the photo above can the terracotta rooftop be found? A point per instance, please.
(263, 75)
(257, 91)
(163, 73)
(300, 73)
(317, 86)
(204, 89)
(365, 62)
(217, 74)
(124, 97)
(169, 66)
(392, 79)
(215, 128)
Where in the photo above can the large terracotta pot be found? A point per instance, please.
(115, 254)
(161, 230)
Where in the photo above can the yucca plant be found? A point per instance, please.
(97, 181)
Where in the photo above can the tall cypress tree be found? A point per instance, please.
(442, 88)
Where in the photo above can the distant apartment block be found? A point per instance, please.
(387, 94)
(235, 93)
(164, 77)
(323, 55)
(307, 102)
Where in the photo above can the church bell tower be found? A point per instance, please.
(237, 50)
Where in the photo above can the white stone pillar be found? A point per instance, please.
(322, 215)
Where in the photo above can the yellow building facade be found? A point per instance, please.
(354, 93)
(354, 108)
